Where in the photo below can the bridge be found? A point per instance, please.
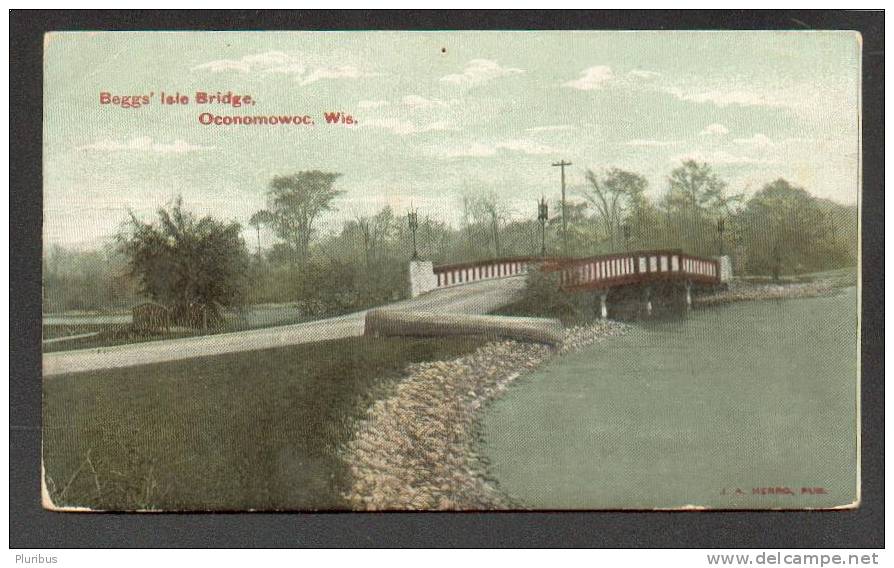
(455, 295)
(641, 270)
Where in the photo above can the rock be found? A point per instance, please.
(415, 449)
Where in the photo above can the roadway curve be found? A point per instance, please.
(476, 298)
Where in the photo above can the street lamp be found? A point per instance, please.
(720, 233)
(542, 216)
(626, 229)
(413, 219)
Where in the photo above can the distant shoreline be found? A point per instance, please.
(744, 291)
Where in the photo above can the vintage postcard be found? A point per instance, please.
(451, 271)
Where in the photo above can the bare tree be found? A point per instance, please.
(375, 231)
(257, 220)
(489, 209)
(613, 195)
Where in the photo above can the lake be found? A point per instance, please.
(746, 405)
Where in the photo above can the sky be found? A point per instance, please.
(437, 115)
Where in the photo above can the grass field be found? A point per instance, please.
(255, 430)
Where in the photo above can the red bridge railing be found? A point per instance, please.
(633, 268)
(592, 272)
(467, 272)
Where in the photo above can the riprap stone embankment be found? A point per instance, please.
(416, 448)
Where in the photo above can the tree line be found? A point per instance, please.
(180, 260)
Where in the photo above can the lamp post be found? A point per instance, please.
(720, 233)
(626, 229)
(543, 217)
(413, 220)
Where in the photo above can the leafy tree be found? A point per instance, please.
(294, 203)
(695, 187)
(695, 201)
(613, 196)
(185, 262)
(786, 230)
(583, 237)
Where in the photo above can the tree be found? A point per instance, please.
(186, 262)
(375, 233)
(488, 209)
(695, 201)
(613, 196)
(696, 188)
(786, 229)
(256, 222)
(294, 202)
(583, 234)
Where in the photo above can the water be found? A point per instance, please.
(748, 405)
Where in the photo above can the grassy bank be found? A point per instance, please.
(256, 430)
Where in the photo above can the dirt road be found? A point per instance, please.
(476, 298)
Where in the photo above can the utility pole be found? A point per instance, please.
(561, 164)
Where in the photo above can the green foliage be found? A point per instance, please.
(696, 199)
(294, 202)
(614, 196)
(182, 261)
(695, 187)
(544, 297)
(86, 280)
(785, 229)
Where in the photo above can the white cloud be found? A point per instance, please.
(720, 157)
(651, 143)
(715, 129)
(728, 97)
(592, 78)
(415, 101)
(279, 62)
(643, 74)
(271, 61)
(556, 128)
(372, 104)
(340, 72)
(482, 150)
(405, 127)
(480, 71)
(758, 141)
(143, 144)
